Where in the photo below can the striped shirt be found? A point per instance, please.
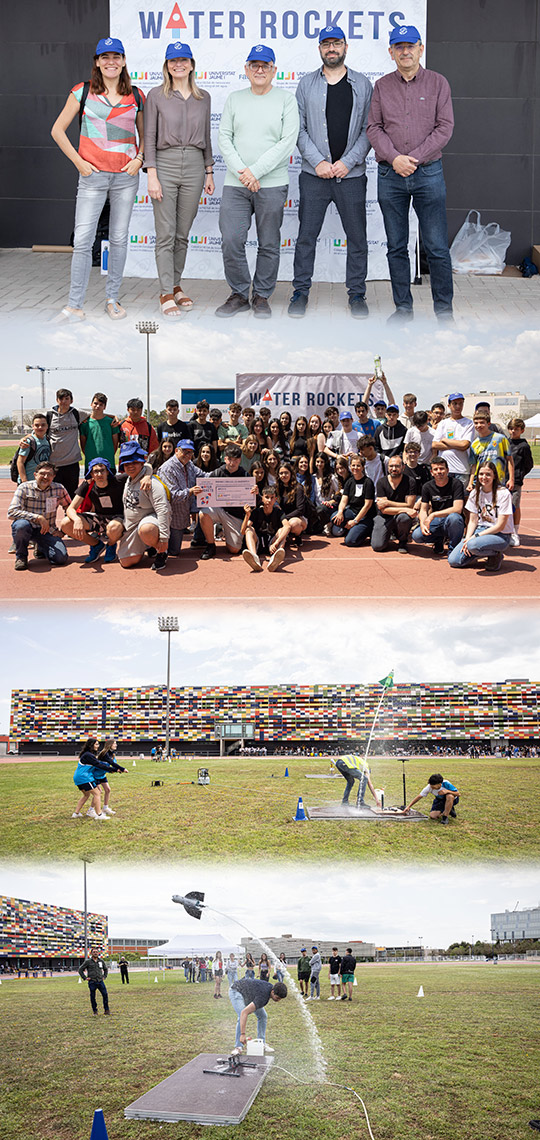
(29, 502)
(108, 138)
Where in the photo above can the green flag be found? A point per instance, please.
(388, 681)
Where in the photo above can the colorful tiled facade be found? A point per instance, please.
(35, 930)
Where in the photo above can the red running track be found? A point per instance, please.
(323, 568)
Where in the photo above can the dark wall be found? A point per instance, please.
(488, 49)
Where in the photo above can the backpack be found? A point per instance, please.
(13, 469)
(84, 97)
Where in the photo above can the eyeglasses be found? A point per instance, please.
(331, 44)
(260, 66)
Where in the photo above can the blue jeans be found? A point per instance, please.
(427, 191)
(349, 198)
(480, 546)
(92, 193)
(238, 1005)
(93, 986)
(175, 541)
(352, 774)
(357, 533)
(238, 205)
(24, 532)
(450, 527)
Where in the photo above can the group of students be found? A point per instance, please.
(437, 477)
(96, 762)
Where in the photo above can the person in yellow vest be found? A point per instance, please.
(353, 767)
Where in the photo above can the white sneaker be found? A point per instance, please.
(101, 817)
(514, 539)
(268, 1048)
(92, 813)
(276, 559)
(331, 999)
(77, 815)
(108, 811)
(309, 999)
(252, 560)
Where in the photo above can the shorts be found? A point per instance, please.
(232, 526)
(101, 780)
(304, 977)
(130, 544)
(439, 803)
(347, 978)
(516, 497)
(99, 523)
(335, 979)
(85, 787)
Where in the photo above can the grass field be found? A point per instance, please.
(459, 1064)
(249, 807)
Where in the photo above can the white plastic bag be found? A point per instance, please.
(479, 249)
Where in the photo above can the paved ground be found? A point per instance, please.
(323, 568)
(36, 285)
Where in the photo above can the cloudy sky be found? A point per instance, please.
(429, 360)
(386, 906)
(259, 644)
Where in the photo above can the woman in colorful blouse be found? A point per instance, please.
(109, 159)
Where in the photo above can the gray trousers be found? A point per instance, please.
(386, 526)
(238, 205)
(180, 170)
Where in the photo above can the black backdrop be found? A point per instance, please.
(488, 49)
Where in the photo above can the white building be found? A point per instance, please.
(510, 925)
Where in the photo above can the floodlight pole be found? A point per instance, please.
(368, 745)
(147, 327)
(85, 859)
(168, 625)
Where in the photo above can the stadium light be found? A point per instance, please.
(85, 859)
(168, 625)
(147, 327)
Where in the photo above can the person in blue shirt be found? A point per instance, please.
(445, 794)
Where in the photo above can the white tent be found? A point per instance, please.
(534, 421)
(198, 946)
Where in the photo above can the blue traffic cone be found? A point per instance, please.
(99, 1129)
(286, 771)
(300, 813)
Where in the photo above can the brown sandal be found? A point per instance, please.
(168, 305)
(181, 298)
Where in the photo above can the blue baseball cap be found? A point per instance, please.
(332, 32)
(176, 50)
(346, 416)
(110, 45)
(405, 34)
(261, 54)
(103, 462)
(392, 408)
(455, 396)
(184, 444)
(131, 452)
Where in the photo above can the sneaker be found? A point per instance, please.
(438, 549)
(94, 553)
(276, 559)
(297, 541)
(309, 999)
(21, 564)
(327, 530)
(101, 817)
(400, 316)
(494, 562)
(349, 999)
(268, 1048)
(196, 544)
(453, 813)
(209, 551)
(110, 554)
(252, 560)
(402, 550)
(39, 554)
(358, 307)
(151, 551)
(77, 815)
(298, 304)
(443, 819)
(12, 548)
(92, 813)
(260, 306)
(108, 811)
(514, 539)
(233, 305)
(160, 561)
(344, 997)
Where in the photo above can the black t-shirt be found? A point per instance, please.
(105, 501)
(174, 432)
(339, 103)
(419, 475)
(253, 990)
(386, 491)
(223, 473)
(267, 524)
(294, 507)
(357, 493)
(441, 498)
(335, 963)
(203, 433)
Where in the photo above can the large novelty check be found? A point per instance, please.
(225, 492)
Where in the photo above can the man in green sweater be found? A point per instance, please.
(258, 132)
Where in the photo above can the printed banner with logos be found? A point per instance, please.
(304, 393)
(220, 40)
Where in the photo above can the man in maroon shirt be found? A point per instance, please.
(410, 121)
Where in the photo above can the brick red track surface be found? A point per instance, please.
(322, 569)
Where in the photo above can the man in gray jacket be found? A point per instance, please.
(333, 103)
(94, 971)
(315, 963)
